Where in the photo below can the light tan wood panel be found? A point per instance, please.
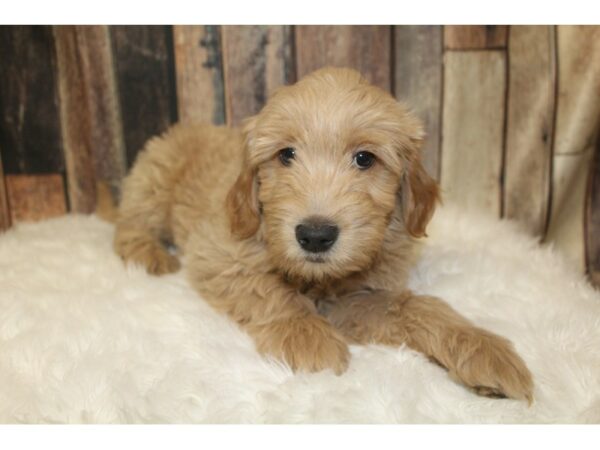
(364, 48)
(576, 132)
(199, 73)
(418, 81)
(35, 197)
(469, 37)
(530, 126)
(89, 108)
(473, 123)
(256, 60)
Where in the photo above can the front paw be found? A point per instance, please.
(308, 343)
(489, 365)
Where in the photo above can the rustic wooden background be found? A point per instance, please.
(511, 112)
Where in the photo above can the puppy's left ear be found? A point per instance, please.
(419, 193)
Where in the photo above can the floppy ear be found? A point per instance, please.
(242, 205)
(242, 200)
(420, 193)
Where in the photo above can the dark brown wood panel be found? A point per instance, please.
(35, 197)
(366, 48)
(256, 60)
(418, 61)
(91, 124)
(592, 220)
(29, 119)
(530, 126)
(4, 212)
(146, 84)
(199, 73)
(469, 37)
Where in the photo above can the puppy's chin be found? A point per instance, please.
(317, 268)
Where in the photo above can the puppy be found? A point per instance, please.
(301, 227)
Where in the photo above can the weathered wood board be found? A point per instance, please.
(4, 211)
(35, 197)
(530, 126)
(90, 117)
(199, 73)
(473, 129)
(29, 121)
(143, 57)
(576, 133)
(366, 48)
(256, 61)
(470, 37)
(418, 62)
(592, 220)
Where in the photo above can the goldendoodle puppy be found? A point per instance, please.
(301, 227)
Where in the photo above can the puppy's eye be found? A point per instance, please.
(286, 155)
(364, 160)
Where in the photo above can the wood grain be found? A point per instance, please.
(256, 61)
(91, 125)
(475, 37)
(29, 125)
(592, 220)
(418, 81)
(364, 48)
(576, 132)
(35, 197)
(473, 123)
(199, 73)
(4, 211)
(530, 126)
(143, 58)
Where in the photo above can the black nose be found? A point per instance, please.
(316, 236)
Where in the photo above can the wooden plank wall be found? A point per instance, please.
(511, 112)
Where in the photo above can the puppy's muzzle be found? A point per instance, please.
(316, 235)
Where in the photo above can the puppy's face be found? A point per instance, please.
(330, 162)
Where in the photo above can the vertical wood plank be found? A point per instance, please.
(29, 126)
(146, 84)
(576, 132)
(35, 197)
(199, 73)
(473, 37)
(4, 212)
(530, 126)
(91, 128)
(473, 123)
(418, 80)
(364, 48)
(256, 60)
(592, 220)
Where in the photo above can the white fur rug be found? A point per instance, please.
(82, 339)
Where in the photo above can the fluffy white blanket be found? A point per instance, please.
(83, 339)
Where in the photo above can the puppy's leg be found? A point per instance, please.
(143, 218)
(139, 245)
(481, 360)
(282, 322)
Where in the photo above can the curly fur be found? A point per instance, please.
(228, 204)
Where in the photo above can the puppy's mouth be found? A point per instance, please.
(317, 259)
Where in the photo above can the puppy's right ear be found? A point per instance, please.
(242, 205)
(242, 199)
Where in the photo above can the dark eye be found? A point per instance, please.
(286, 155)
(364, 160)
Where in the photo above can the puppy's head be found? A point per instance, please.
(329, 163)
